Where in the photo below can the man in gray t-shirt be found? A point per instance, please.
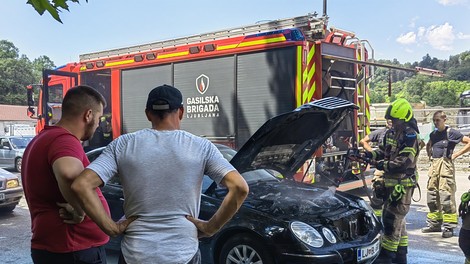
(161, 171)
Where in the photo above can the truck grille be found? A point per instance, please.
(2, 185)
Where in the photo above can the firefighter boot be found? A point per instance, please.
(447, 232)
(385, 257)
(400, 257)
(431, 228)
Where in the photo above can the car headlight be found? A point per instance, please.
(12, 183)
(329, 235)
(307, 234)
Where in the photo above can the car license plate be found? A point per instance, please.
(368, 252)
(2, 196)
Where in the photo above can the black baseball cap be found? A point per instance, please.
(164, 97)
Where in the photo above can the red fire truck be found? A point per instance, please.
(232, 81)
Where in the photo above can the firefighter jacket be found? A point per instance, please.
(399, 154)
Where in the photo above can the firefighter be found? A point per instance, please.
(397, 158)
(464, 235)
(106, 129)
(441, 184)
(376, 136)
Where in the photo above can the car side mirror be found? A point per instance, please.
(30, 95)
(30, 113)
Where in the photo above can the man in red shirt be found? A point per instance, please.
(54, 158)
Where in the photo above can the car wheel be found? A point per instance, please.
(244, 249)
(18, 164)
(7, 209)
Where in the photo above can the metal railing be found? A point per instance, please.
(424, 116)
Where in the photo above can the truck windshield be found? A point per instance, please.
(55, 93)
(101, 81)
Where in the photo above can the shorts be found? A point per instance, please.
(94, 255)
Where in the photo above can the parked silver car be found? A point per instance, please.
(11, 151)
(10, 191)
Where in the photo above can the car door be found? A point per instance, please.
(10, 154)
(4, 150)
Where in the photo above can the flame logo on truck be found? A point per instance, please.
(202, 83)
(202, 106)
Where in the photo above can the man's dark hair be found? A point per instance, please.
(161, 114)
(80, 98)
(440, 114)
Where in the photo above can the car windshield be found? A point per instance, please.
(20, 142)
(258, 175)
(250, 176)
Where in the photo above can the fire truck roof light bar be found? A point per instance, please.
(308, 22)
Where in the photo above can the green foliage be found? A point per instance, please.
(16, 72)
(39, 64)
(417, 88)
(52, 6)
(8, 50)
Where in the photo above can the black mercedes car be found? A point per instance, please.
(283, 221)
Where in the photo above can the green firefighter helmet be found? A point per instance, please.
(399, 109)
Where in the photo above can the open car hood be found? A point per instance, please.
(286, 141)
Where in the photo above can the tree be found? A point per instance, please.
(8, 50)
(39, 64)
(461, 67)
(415, 87)
(428, 62)
(52, 6)
(15, 74)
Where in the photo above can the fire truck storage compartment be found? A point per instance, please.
(224, 97)
(266, 88)
(339, 81)
(136, 85)
(208, 88)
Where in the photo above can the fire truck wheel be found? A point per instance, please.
(244, 248)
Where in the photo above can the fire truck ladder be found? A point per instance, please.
(308, 24)
(362, 77)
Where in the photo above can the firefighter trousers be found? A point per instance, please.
(393, 219)
(441, 194)
(464, 238)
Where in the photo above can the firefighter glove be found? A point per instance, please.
(378, 187)
(380, 165)
(367, 155)
(463, 207)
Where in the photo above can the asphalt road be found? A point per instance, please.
(15, 236)
(431, 247)
(423, 248)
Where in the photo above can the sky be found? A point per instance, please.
(405, 30)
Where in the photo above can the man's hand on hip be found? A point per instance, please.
(203, 228)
